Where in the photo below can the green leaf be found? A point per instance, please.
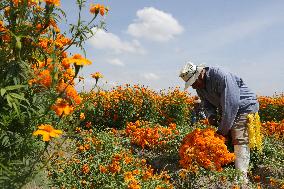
(5, 168)
(5, 140)
(13, 87)
(9, 100)
(16, 108)
(15, 95)
(3, 91)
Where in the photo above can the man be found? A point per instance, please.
(227, 93)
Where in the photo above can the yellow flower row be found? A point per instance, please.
(254, 131)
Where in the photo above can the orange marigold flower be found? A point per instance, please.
(102, 169)
(43, 78)
(47, 131)
(206, 149)
(85, 169)
(136, 172)
(89, 124)
(272, 128)
(148, 173)
(69, 91)
(128, 176)
(96, 9)
(62, 107)
(143, 161)
(134, 184)
(79, 60)
(147, 135)
(82, 116)
(114, 167)
(53, 2)
(116, 157)
(127, 160)
(97, 75)
(77, 129)
(256, 178)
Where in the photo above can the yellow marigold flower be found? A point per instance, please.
(79, 60)
(128, 176)
(127, 159)
(183, 173)
(160, 187)
(82, 116)
(47, 131)
(134, 184)
(97, 75)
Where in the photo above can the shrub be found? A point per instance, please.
(121, 105)
(271, 108)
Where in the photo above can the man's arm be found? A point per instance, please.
(210, 111)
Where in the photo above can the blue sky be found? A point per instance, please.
(147, 42)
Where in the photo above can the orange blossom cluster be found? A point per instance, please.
(204, 148)
(264, 101)
(145, 135)
(276, 129)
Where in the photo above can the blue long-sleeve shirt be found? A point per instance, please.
(228, 93)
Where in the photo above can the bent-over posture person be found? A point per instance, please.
(229, 94)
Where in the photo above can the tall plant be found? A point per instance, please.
(37, 81)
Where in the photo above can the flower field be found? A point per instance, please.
(53, 136)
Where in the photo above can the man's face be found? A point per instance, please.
(199, 83)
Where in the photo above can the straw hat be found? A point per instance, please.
(189, 73)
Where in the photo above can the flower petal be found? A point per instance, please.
(40, 132)
(46, 137)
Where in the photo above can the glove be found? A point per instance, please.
(212, 119)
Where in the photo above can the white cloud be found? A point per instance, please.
(154, 25)
(150, 76)
(110, 41)
(116, 61)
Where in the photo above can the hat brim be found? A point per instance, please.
(193, 78)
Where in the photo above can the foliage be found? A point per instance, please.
(36, 81)
(100, 160)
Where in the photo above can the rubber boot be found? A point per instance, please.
(242, 154)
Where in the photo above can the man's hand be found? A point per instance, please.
(227, 137)
(212, 120)
(219, 133)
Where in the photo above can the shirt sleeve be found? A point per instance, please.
(230, 97)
